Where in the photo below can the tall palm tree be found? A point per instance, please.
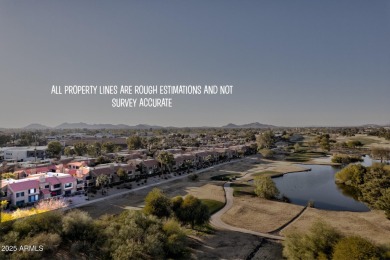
(102, 181)
(166, 160)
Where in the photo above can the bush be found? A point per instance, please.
(134, 235)
(265, 187)
(383, 202)
(176, 239)
(77, 225)
(267, 153)
(346, 159)
(355, 248)
(44, 222)
(48, 242)
(351, 175)
(156, 203)
(193, 177)
(317, 243)
(191, 210)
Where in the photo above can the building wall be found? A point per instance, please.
(23, 197)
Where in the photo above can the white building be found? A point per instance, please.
(24, 154)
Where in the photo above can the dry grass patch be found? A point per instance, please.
(208, 191)
(258, 214)
(371, 225)
(367, 140)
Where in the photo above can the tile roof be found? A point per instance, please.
(66, 179)
(103, 171)
(23, 185)
(52, 180)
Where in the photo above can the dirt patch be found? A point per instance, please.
(372, 225)
(258, 214)
(269, 250)
(224, 245)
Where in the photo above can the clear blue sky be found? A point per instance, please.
(292, 63)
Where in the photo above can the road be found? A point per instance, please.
(217, 222)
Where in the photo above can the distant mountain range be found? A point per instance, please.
(82, 125)
(250, 125)
(36, 126)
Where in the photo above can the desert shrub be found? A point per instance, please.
(193, 177)
(44, 222)
(82, 233)
(176, 244)
(383, 202)
(355, 248)
(48, 242)
(134, 235)
(267, 153)
(156, 203)
(317, 243)
(346, 159)
(77, 225)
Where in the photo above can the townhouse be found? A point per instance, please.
(182, 160)
(40, 186)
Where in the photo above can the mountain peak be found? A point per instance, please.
(250, 125)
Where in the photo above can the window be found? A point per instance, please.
(68, 185)
(30, 191)
(33, 198)
(47, 186)
(56, 186)
(19, 194)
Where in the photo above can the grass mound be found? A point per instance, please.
(213, 205)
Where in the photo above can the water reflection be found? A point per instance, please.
(319, 186)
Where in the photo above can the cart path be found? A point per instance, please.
(217, 222)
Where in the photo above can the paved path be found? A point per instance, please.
(217, 222)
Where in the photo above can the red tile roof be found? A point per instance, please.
(23, 185)
(52, 180)
(66, 179)
(103, 171)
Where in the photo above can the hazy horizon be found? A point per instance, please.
(183, 126)
(301, 63)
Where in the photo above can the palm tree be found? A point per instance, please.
(166, 160)
(142, 169)
(102, 181)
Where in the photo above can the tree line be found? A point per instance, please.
(371, 183)
(156, 232)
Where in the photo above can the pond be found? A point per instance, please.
(318, 185)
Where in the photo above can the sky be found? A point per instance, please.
(292, 63)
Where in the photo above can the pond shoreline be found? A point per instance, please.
(319, 187)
